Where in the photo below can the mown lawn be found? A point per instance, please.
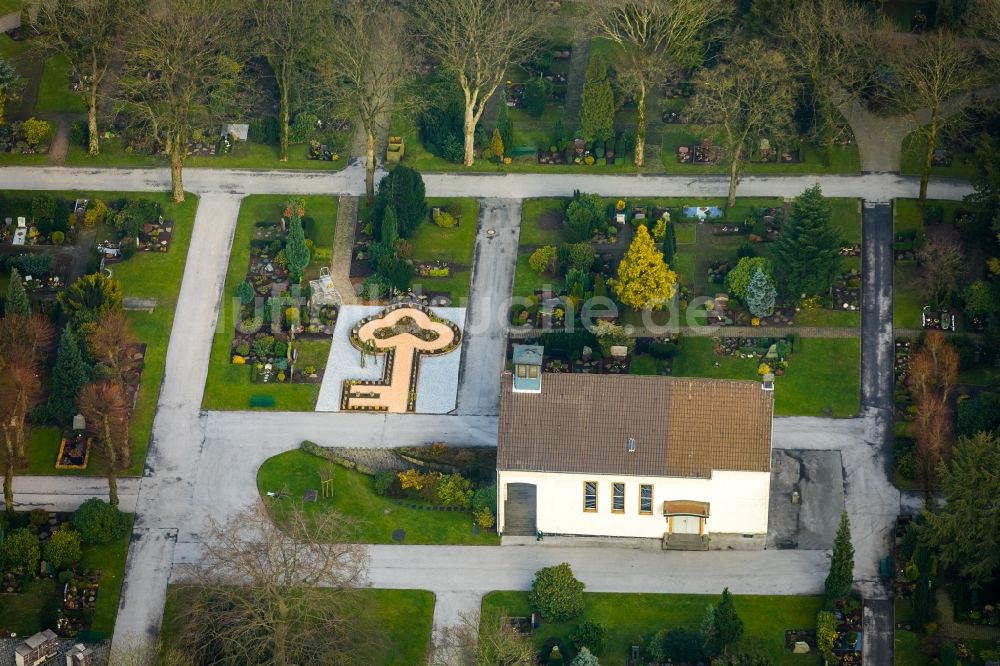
(823, 376)
(354, 497)
(915, 152)
(228, 386)
(630, 617)
(54, 94)
(907, 304)
(248, 155)
(532, 212)
(155, 276)
(404, 616)
(456, 245)
(35, 609)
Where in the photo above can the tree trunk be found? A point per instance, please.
(19, 417)
(640, 126)
(470, 136)
(828, 115)
(109, 450)
(8, 473)
(176, 166)
(734, 176)
(283, 84)
(94, 146)
(925, 171)
(8, 485)
(370, 164)
(3, 100)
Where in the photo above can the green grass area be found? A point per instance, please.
(907, 649)
(228, 386)
(154, 276)
(907, 304)
(915, 152)
(245, 155)
(532, 212)
(404, 615)
(354, 497)
(26, 613)
(823, 376)
(825, 318)
(630, 616)
(54, 94)
(9, 6)
(455, 246)
(847, 218)
(845, 159)
(526, 280)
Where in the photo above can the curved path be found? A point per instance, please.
(204, 464)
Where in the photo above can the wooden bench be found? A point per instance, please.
(261, 400)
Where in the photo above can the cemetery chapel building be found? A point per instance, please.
(686, 461)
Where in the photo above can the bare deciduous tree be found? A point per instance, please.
(836, 46)
(749, 96)
(86, 33)
(983, 19)
(490, 641)
(478, 40)
(28, 338)
(942, 265)
(182, 66)
(266, 594)
(105, 407)
(654, 37)
(365, 66)
(20, 390)
(933, 373)
(934, 75)
(289, 37)
(109, 344)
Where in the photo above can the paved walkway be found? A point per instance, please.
(486, 321)
(350, 181)
(10, 21)
(343, 249)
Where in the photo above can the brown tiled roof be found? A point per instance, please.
(682, 427)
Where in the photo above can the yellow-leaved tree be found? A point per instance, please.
(644, 279)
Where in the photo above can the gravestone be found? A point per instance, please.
(310, 495)
(619, 351)
(801, 647)
(79, 423)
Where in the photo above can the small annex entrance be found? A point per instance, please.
(519, 510)
(685, 525)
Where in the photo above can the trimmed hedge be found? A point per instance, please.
(328, 454)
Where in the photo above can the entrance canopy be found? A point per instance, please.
(685, 508)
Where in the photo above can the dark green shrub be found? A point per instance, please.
(79, 134)
(98, 522)
(62, 548)
(949, 655)
(36, 265)
(383, 482)
(590, 634)
(403, 189)
(263, 346)
(20, 551)
(979, 414)
(485, 497)
(43, 211)
(676, 644)
(264, 130)
(302, 128)
(440, 124)
(536, 96)
(556, 594)
(397, 272)
(245, 293)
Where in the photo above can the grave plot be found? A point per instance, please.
(404, 358)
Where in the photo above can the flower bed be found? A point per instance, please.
(74, 452)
